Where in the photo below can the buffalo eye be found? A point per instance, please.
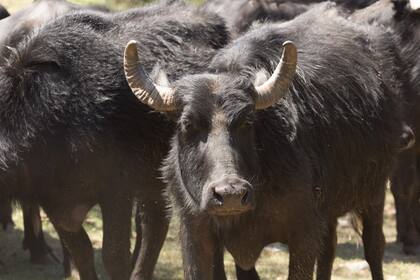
(43, 66)
(242, 124)
(193, 129)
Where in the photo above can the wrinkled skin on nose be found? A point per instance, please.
(230, 195)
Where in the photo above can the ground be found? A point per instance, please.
(349, 264)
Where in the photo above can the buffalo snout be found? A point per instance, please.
(228, 196)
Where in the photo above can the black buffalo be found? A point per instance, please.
(71, 125)
(241, 14)
(13, 30)
(34, 240)
(257, 160)
(24, 21)
(401, 19)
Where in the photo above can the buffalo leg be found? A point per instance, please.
(6, 211)
(34, 239)
(304, 244)
(326, 258)
(403, 184)
(246, 274)
(152, 227)
(137, 246)
(116, 214)
(81, 250)
(415, 210)
(198, 248)
(218, 263)
(374, 240)
(301, 261)
(67, 262)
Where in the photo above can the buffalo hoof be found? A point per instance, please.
(412, 250)
(7, 225)
(43, 255)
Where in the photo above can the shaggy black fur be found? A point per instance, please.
(325, 149)
(13, 30)
(72, 128)
(404, 26)
(241, 14)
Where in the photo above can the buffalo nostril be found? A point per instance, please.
(245, 198)
(218, 197)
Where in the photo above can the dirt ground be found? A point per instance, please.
(349, 264)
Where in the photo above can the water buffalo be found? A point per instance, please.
(399, 18)
(240, 14)
(71, 124)
(13, 30)
(256, 160)
(34, 240)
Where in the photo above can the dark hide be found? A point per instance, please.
(240, 14)
(19, 26)
(404, 24)
(70, 121)
(349, 4)
(325, 149)
(23, 22)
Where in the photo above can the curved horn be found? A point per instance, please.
(158, 97)
(278, 84)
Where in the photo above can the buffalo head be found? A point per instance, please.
(215, 141)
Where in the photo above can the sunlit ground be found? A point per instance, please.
(349, 263)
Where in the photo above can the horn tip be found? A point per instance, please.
(290, 50)
(132, 42)
(289, 45)
(131, 49)
(288, 42)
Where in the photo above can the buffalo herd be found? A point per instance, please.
(250, 121)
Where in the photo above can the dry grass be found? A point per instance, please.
(349, 263)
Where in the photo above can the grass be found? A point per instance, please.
(272, 264)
